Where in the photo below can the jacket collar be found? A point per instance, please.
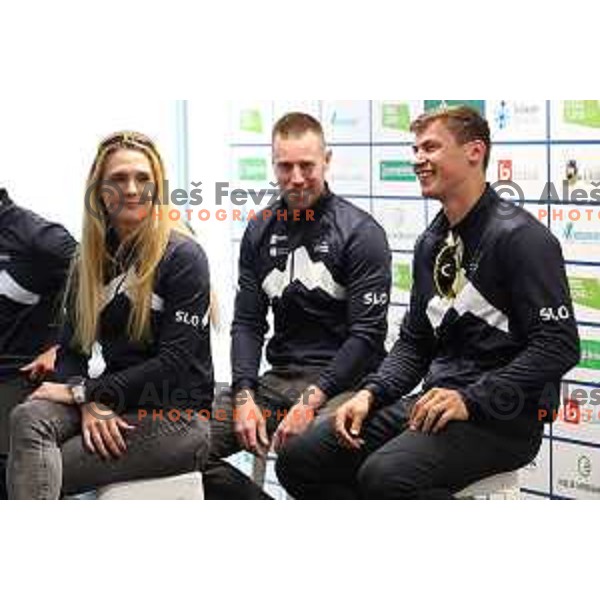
(474, 219)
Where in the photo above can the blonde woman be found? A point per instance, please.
(140, 290)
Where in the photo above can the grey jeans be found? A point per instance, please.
(12, 393)
(48, 459)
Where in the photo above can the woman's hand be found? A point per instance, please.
(43, 365)
(101, 429)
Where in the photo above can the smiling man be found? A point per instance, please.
(326, 277)
(490, 332)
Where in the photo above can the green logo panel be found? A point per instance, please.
(586, 291)
(396, 117)
(397, 170)
(590, 355)
(403, 277)
(252, 169)
(582, 112)
(251, 121)
(478, 105)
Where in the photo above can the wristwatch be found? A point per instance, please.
(76, 386)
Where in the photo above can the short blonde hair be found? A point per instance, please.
(297, 124)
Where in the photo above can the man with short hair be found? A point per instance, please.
(490, 330)
(324, 268)
(34, 264)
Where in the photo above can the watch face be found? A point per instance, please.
(79, 393)
(77, 388)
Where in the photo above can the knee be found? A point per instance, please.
(381, 479)
(289, 467)
(202, 446)
(32, 417)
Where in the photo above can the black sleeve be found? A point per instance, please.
(70, 362)
(185, 290)
(250, 319)
(54, 248)
(408, 363)
(368, 286)
(541, 313)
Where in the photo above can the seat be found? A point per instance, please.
(506, 486)
(181, 487)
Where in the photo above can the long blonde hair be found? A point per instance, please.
(147, 244)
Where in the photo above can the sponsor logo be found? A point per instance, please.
(395, 117)
(397, 171)
(570, 234)
(278, 246)
(321, 248)
(581, 482)
(575, 173)
(582, 112)
(508, 170)
(516, 114)
(478, 105)
(505, 170)
(584, 466)
(348, 172)
(341, 120)
(590, 355)
(252, 169)
(585, 291)
(403, 277)
(503, 115)
(572, 412)
(251, 121)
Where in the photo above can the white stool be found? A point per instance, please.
(506, 486)
(182, 487)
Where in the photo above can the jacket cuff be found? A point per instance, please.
(329, 388)
(245, 384)
(476, 412)
(379, 395)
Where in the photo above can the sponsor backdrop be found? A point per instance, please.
(551, 150)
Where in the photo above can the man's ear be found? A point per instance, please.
(328, 156)
(476, 151)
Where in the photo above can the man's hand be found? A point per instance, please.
(53, 392)
(437, 408)
(350, 418)
(250, 425)
(101, 430)
(43, 365)
(300, 416)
